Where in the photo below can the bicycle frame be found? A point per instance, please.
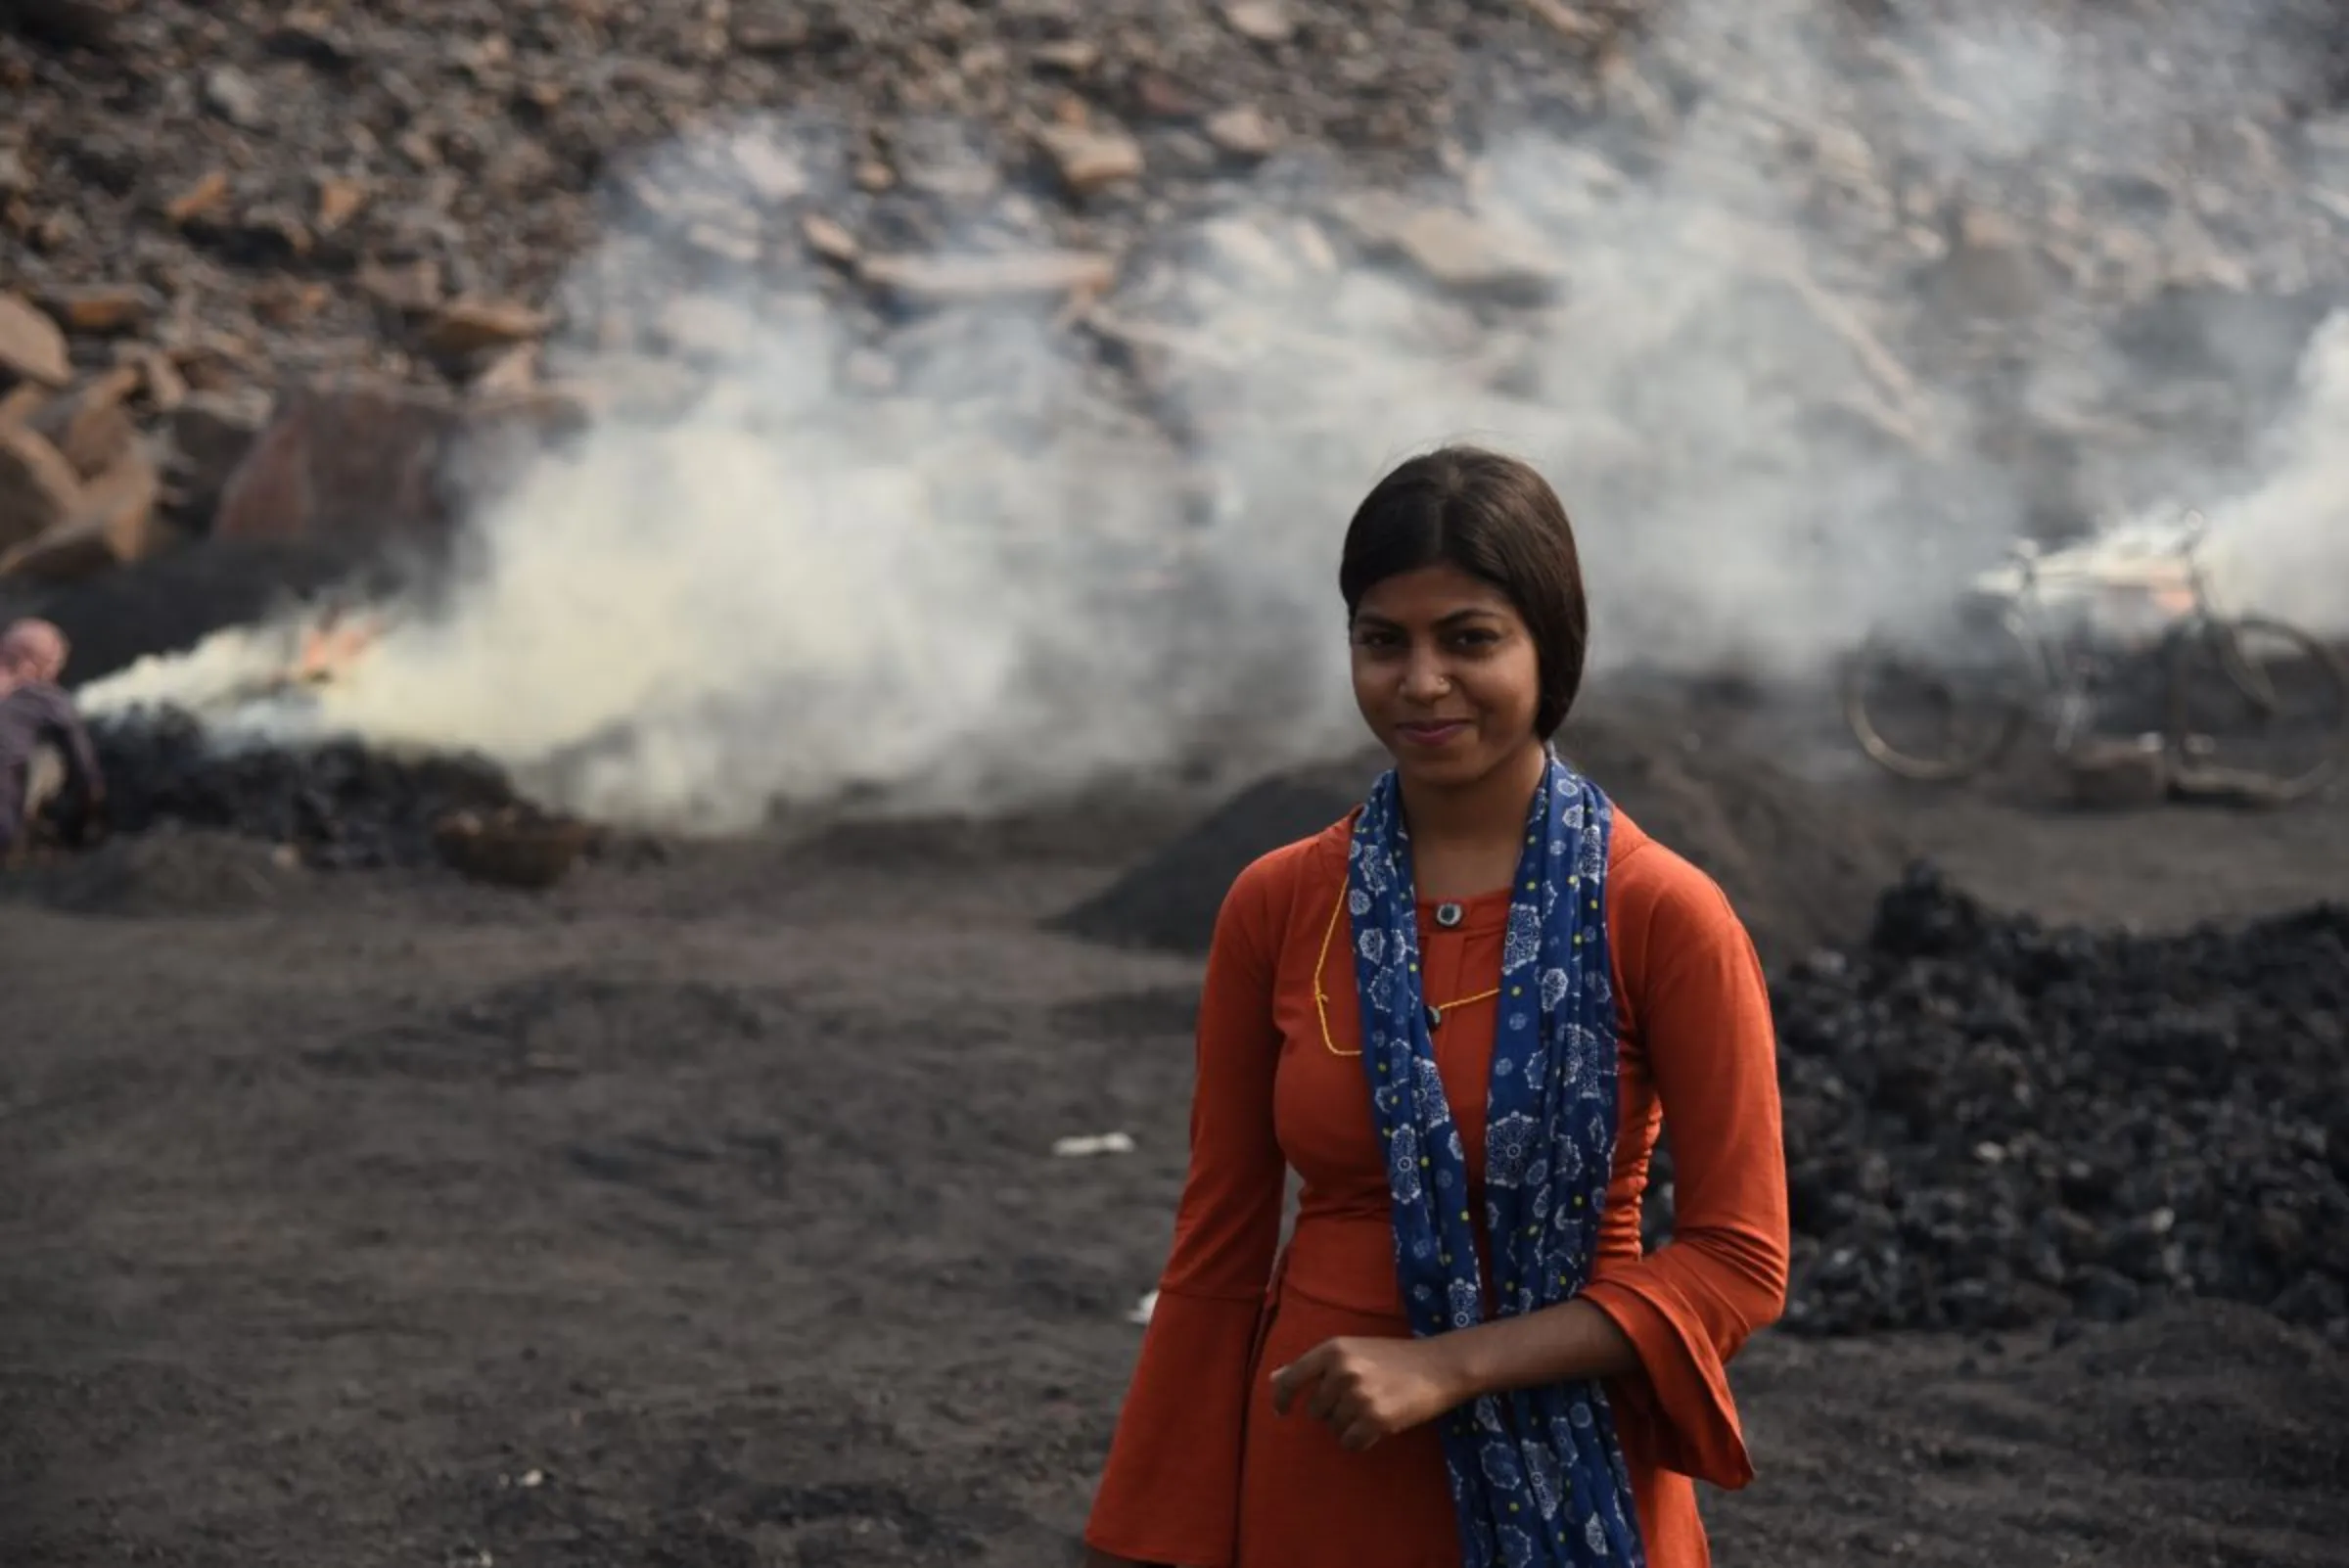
(2063, 667)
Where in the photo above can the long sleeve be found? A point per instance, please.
(47, 716)
(1703, 1012)
(1169, 1491)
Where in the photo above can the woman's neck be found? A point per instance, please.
(1457, 830)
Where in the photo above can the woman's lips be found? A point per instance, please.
(1432, 734)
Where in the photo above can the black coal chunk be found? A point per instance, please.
(1990, 1122)
(341, 805)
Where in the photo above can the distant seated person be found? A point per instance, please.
(46, 758)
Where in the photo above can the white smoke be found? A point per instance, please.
(992, 584)
(2281, 548)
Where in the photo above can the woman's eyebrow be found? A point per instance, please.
(1450, 618)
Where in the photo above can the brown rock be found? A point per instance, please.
(211, 433)
(236, 98)
(199, 199)
(31, 347)
(511, 372)
(89, 425)
(339, 202)
(410, 288)
(215, 363)
(1260, 20)
(1242, 131)
(359, 462)
(22, 402)
(464, 327)
(115, 523)
(38, 487)
(937, 280)
(94, 439)
(166, 387)
(1090, 159)
(102, 310)
(830, 240)
(289, 301)
(1159, 96)
(1568, 21)
(1072, 57)
(770, 34)
(420, 146)
(1452, 249)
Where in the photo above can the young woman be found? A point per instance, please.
(1459, 1015)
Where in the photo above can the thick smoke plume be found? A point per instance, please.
(2284, 542)
(1754, 323)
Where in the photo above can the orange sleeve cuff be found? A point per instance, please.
(1171, 1490)
(1680, 1414)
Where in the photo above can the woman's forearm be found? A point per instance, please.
(1562, 1344)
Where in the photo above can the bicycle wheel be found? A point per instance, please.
(2257, 706)
(1937, 710)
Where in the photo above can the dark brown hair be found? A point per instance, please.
(1497, 520)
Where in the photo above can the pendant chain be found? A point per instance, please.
(1435, 1014)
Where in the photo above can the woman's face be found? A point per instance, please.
(1445, 674)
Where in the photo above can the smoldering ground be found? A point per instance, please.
(1806, 323)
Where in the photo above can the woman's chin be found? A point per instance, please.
(1437, 769)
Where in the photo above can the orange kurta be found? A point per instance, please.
(1202, 1474)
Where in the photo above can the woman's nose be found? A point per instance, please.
(1423, 675)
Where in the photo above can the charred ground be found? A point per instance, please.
(702, 1211)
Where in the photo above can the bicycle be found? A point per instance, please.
(2038, 638)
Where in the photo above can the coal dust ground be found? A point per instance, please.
(704, 1212)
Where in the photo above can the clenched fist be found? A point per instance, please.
(1370, 1389)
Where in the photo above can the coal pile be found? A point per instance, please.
(1169, 900)
(1803, 868)
(339, 805)
(1990, 1122)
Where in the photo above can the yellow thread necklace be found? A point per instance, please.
(1435, 1014)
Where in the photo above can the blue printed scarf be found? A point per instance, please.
(1537, 1475)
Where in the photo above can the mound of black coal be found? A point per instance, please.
(338, 805)
(1169, 899)
(1989, 1121)
(1802, 866)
